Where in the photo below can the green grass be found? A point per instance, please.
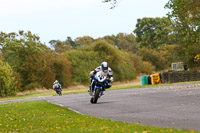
(43, 117)
(39, 94)
(66, 92)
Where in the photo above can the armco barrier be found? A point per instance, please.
(180, 76)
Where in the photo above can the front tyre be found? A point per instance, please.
(96, 95)
(91, 100)
(60, 93)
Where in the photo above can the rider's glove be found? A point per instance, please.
(111, 79)
(91, 74)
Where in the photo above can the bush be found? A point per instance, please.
(122, 68)
(44, 69)
(171, 52)
(147, 67)
(32, 86)
(62, 70)
(107, 52)
(140, 65)
(154, 57)
(87, 59)
(8, 84)
(82, 63)
(124, 71)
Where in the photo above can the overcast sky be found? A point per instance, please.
(57, 19)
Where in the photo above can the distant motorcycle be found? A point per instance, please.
(99, 80)
(58, 90)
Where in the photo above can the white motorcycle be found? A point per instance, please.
(99, 80)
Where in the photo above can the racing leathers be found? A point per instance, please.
(109, 77)
(55, 85)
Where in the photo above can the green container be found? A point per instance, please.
(144, 80)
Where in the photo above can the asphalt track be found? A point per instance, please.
(173, 106)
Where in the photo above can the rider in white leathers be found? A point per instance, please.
(107, 70)
(55, 83)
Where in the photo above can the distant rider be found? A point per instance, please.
(107, 70)
(55, 83)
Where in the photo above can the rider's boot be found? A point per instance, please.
(89, 89)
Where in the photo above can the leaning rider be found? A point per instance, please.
(55, 83)
(107, 70)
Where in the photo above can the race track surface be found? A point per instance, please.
(174, 106)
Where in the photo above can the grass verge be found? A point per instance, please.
(40, 94)
(39, 116)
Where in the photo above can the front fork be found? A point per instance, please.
(92, 93)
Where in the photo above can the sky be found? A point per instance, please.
(58, 19)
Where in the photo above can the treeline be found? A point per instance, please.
(26, 63)
(122, 52)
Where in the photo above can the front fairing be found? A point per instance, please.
(98, 80)
(99, 84)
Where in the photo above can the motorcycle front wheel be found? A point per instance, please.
(91, 100)
(96, 95)
(59, 92)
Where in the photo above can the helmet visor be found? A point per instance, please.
(105, 68)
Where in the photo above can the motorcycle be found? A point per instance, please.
(58, 90)
(99, 80)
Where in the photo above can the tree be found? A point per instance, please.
(107, 52)
(38, 68)
(186, 19)
(154, 57)
(15, 48)
(84, 41)
(127, 42)
(60, 46)
(8, 83)
(88, 58)
(43, 69)
(83, 61)
(171, 53)
(122, 68)
(140, 65)
(153, 32)
(71, 42)
(62, 69)
(123, 41)
(113, 2)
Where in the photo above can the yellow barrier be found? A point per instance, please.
(155, 79)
